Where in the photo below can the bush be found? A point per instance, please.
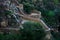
(28, 7)
(33, 31)
(10, 37)
(56, 35)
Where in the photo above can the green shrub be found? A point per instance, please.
(51, 13)
(10, 37)
(33, 31)
(56, 35)
(28, 7)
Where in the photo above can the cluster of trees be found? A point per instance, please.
(50, 10)
(31, 31)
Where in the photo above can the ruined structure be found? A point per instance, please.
(34, 16)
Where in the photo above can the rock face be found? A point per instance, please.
(10, 19)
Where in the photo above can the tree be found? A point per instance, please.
(33, 31)
(28, 7)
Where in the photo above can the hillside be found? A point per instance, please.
(27, 18)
